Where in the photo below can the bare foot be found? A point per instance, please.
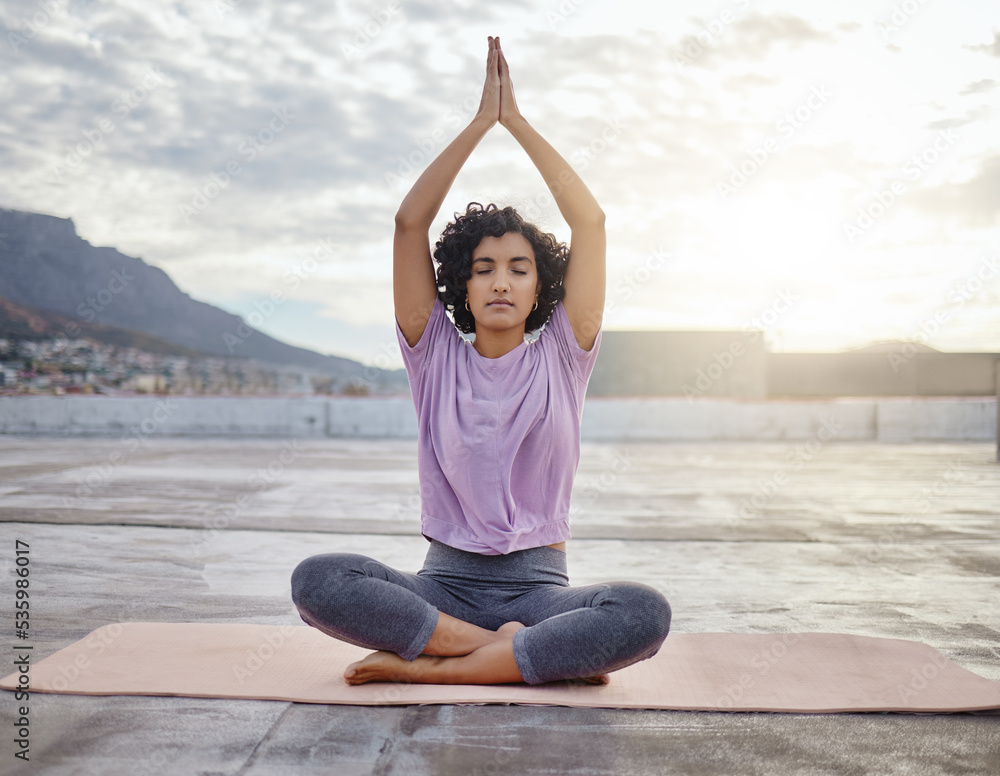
(385, 666)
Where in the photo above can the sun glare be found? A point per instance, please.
(779, 237)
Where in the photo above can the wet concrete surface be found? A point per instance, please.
(870, 538)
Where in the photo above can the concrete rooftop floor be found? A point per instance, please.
(876, 539)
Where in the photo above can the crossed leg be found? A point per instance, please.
(455, 651)
(458, 653)
(364, 602)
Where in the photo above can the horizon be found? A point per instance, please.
(763, 328)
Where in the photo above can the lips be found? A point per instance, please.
(500, 303)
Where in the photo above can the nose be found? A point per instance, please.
(500, 282)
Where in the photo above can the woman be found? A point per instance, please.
(498, 447)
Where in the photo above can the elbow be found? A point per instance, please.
(404, 221)
(407, 218)
(594, 221)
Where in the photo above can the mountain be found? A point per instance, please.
(45, 265)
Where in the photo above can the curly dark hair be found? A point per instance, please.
(453, 253)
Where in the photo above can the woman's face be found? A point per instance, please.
(504, 284)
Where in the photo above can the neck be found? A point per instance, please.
(493, 344)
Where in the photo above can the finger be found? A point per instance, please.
(500, 55)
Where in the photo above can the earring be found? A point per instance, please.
(535, 307)
(467, 305)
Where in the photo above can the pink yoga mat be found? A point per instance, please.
(792, 672)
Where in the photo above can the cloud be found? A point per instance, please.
(984, 85)
(757, 31)
(976, 114)
(974, 203)
(751, 38)
(356, 121)
(993, 49)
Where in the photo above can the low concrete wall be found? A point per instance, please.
(887, 420)
(652, 419)
(207, 416)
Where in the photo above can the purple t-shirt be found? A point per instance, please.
(498, 438)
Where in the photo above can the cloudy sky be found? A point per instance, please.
(827, 171)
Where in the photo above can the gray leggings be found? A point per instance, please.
(571, 631)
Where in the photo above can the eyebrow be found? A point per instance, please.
(493, 261)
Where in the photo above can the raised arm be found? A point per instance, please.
(413, 282)
(586, 274)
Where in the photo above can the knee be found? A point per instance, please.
(321, 573)
(304, 577)
(648, 614)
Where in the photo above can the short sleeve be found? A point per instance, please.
(416, 357)
(580, 362)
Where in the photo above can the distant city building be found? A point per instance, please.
(146, 383)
